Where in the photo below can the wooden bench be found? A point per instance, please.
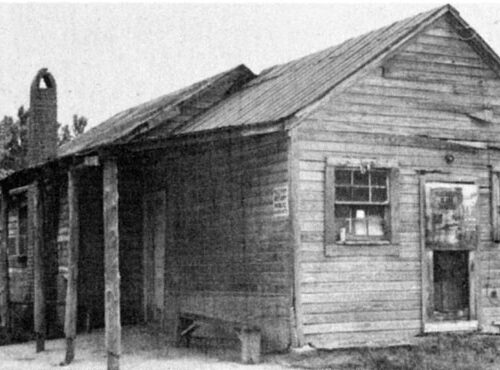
(249, 335)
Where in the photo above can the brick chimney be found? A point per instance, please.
(42, 123)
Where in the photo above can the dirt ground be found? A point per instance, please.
(143, 349)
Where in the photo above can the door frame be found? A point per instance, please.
(427, 264)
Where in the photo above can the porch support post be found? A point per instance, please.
(71, 292)
(4, 263)
(38, 273)
(111, 263)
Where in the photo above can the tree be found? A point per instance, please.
(64, 135)
(78, 127)
(14, 139)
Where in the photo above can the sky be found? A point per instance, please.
(110, 57)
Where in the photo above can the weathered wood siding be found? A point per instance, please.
(227, 255)
(130, 228)
(18, 273)
(427, 88)
(367, 297)
(21, 274)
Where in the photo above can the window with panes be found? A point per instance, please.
(361, 203)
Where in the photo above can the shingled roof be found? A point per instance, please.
(278, 93)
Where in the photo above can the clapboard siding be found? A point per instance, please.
(429, 87)
(368, 281)
(227, 255)
(367, 296)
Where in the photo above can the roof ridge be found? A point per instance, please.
(140, 114)
(332, 47)
(327, 67)
(207, 82)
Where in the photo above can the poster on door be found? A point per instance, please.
(451, 215)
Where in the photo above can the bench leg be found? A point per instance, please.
(185, 328)
(181, 325)
(250, 346)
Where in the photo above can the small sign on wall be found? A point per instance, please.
(280, 201)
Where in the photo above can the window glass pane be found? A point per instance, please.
(360, 221)
(451, 214)
(361, 194)
(376, 211)
(360, 225)
(343, 193)
(379, 194)
(342, 211)
(379, 178)
(375, 226)
(343, 228)
(360, 178)
(342, 177)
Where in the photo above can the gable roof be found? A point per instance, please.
(170, 111)
(284, 90)
(238, 98)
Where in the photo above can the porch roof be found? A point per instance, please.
(170, 111)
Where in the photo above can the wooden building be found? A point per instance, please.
(347, 198)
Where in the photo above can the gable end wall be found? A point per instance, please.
(368, 297)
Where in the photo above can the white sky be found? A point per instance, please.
(106, 58)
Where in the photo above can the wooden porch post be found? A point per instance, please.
(38, 274)
(71, 292)
(4, 263)
(111, 263)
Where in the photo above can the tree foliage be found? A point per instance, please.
(14, 139)
(78, 126)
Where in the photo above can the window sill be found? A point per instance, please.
(353, 248)
(364, 242)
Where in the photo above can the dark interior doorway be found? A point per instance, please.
(451, 285)
(91, 254)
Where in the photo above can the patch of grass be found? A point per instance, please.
(443, 352)
(440, 352)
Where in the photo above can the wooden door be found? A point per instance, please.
(449, 225)
(154, 256)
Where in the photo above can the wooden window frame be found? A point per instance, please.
(388, 246)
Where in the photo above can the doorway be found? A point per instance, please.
(449, 224)
(451, 285)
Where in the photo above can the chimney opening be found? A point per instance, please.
(45, 83)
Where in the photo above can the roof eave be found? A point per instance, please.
(378, 59)
(478, 43)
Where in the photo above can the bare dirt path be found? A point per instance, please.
(141, 351)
